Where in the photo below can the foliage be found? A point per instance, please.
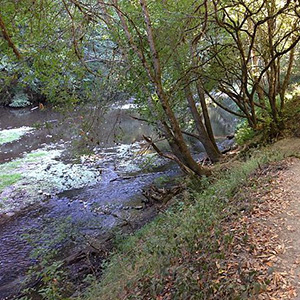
(49, 66)
(255, 60)
(86, 51)
(244, 133)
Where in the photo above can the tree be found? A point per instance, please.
(37, 53)
(170, 55)
(45, 55)
(254, 54)
(157, 61)
(151, 62)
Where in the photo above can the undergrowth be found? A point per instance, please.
(158, 262)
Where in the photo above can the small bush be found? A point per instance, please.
(244, 133)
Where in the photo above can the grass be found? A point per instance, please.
(8, 175)
(157, 261)
(8, 180)
(9, 166)
(37, 154)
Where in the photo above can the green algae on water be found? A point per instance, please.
(10, 135)
(8, 180)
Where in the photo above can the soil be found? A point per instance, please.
(261, 233)
(285, 220)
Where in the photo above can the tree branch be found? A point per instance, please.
(8, 39)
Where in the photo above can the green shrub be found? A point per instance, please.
(244, 133)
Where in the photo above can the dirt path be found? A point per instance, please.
(263, 259)
(273, 248)
(274, 230)
(288, 223)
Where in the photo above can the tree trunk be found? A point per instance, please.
(210, 148)
(207, 121)
(177, 141)
(178, 144)
(286, 79)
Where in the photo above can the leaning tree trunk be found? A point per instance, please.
(211, 150)
(200, 91)
(207, 121)
(286, 80)
(156, 78)
(177, 142)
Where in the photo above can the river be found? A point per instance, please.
(65, 178)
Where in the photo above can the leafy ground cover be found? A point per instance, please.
(252, 266)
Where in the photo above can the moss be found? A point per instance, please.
(8, 180)
(34, 155)
(10, 166)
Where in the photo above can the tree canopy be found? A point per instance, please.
(173, 57)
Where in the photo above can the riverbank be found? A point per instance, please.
(70, 233)
(204, 247)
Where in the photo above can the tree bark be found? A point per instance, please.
(211, 149)
(7, 37)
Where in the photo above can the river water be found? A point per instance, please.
(48, 186)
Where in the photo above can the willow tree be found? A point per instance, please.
(253, 54)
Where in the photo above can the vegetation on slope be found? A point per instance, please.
(174, 256)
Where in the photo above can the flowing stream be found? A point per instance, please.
(46, 190)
